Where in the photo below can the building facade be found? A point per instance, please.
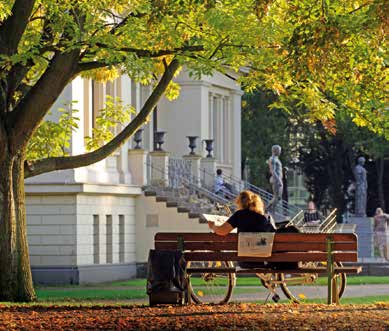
(94, 223)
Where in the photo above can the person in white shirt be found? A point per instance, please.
(221, 187)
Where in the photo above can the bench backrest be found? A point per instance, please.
(287, 247)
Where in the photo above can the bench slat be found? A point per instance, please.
(277, 246)
(232, 237)
(318, 270)
(276, 257)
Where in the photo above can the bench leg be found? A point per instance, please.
(335, 293)
(188, 292)
(330, 271)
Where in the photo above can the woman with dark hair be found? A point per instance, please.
(250, 216)
(312, 215)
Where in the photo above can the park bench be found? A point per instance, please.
(324, 252)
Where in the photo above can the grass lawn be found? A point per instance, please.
(135, 289)
(87, 294)
(253, 281)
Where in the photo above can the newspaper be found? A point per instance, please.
(217, 219)
(255, 244)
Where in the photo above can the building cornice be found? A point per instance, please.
(100, 189)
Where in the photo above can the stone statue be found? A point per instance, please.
(275, 167)
(360, 187)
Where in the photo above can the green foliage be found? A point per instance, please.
(109, 119)
(52, 138)
(261, 129)
(327, 57)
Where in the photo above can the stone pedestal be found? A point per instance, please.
(159, 168)
(137, 166)
(208, 172)
(364, 231)
(195, 166)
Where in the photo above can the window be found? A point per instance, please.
(96, 239)
(109, 236)
(121, 238)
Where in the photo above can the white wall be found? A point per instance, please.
(102, 206)
(61, 227)
(51, 229)
(169, 220)
(191, 115)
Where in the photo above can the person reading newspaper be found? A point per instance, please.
(250, 217)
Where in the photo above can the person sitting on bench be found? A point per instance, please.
(250, 217)
(312, 216)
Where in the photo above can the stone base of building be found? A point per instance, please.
(364, 231)
(141, 270)
(373, 269)
(78, 275)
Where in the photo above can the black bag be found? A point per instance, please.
(166, 282)
(285, 265)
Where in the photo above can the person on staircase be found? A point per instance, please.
(221, 187)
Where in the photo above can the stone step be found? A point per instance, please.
(161, 198)
(150, 193)
(194, 215)
(183, 210)
(170, 204)
(202, 220)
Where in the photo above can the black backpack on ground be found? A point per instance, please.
(285, 265)
(166, 282)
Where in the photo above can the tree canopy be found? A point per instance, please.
(328, 56)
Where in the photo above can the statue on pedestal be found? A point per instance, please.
(275, 167)
(360, 174)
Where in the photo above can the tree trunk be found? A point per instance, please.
(380, 165)
(15, 276)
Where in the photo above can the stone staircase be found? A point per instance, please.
(194, 204)
(175, 185)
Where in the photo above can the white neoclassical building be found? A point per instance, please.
(94, 223)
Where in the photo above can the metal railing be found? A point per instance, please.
(179, 177)
(328, 225)
(283, 207)
(183, 179)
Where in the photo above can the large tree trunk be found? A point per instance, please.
(15, 276)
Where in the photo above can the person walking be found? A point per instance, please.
(381, 234)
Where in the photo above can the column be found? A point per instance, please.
(137, 166)
(195, 166)
(236, 97)
(208, 172)
(159, 168)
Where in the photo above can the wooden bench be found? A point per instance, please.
(287, 247)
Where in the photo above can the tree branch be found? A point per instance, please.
(11, 31)
(360, 7)
(85, 66)
(148, 53)
(33, 107)
(60, 163)
(124, 21)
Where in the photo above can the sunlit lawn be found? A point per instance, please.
(136, 289)
(254, 281)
